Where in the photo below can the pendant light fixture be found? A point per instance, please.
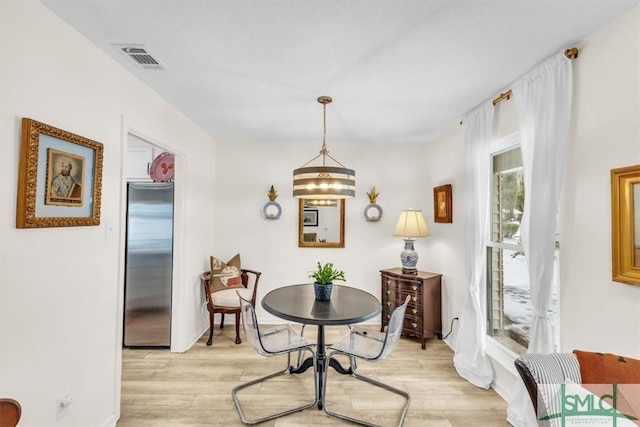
(324, 182)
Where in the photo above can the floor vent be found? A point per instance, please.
(141, 56)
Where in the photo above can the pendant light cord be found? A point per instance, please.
(324, 151)
(324, 100)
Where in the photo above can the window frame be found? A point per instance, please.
(498, 146)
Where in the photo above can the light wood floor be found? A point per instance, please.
(193, 389)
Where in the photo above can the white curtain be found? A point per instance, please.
(470, 359)
(543, 103)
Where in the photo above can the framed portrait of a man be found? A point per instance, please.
(60, 178)
(64, 178)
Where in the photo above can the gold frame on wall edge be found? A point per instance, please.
(51, 192)
(624, 249)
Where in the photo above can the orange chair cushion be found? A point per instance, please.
(607, 368)
(10, 412)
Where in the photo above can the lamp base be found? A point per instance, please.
(409, 258)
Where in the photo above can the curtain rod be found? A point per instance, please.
(569, 53)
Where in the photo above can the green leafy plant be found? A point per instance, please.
(326, 274)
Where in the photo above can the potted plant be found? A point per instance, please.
(323, 280)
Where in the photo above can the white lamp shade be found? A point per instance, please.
(411, 224)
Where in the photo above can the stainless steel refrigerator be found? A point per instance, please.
(149, 262)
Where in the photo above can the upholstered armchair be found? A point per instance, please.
(542, 373)
(226, 301)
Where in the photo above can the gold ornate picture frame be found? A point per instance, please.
(625, 224)
(60, 178)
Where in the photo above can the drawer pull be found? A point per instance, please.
(388, 303)
(414, 299)
(388, 316)
(414, 287)
(388, 282)
(388, 292)
(414, 311)
(415, 325)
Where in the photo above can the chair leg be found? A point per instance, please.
(211, 323)
(376, 383)
(234, 395)
(221, 320)
(238, 340)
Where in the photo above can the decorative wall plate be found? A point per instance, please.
(373, 212)
(271, 210)
(163, 167)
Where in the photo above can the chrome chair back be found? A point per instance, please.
(270, 341)
(371, 346)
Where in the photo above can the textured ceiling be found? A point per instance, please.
(398, 71)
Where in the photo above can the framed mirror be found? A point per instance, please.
(320, 227)
(625, 224)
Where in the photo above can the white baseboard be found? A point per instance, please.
(111, 422)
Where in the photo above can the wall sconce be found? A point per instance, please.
(272, 209)
(411, 225)
(373, 206)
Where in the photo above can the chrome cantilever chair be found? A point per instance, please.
(271, 341)
(371, 346)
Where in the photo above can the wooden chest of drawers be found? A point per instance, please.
(422, 319)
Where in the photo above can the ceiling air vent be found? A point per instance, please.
(141, 56)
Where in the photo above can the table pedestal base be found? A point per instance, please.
(321, 366)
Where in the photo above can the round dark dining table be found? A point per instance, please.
(297, 303)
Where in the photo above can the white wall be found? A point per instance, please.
(597, 313)
(447, 240)
(61, 288)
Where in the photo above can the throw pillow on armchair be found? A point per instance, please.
(225, 275)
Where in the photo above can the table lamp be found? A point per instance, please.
(410, 226)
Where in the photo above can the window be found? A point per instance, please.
(509, 309)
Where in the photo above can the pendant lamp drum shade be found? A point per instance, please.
(324, 182)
